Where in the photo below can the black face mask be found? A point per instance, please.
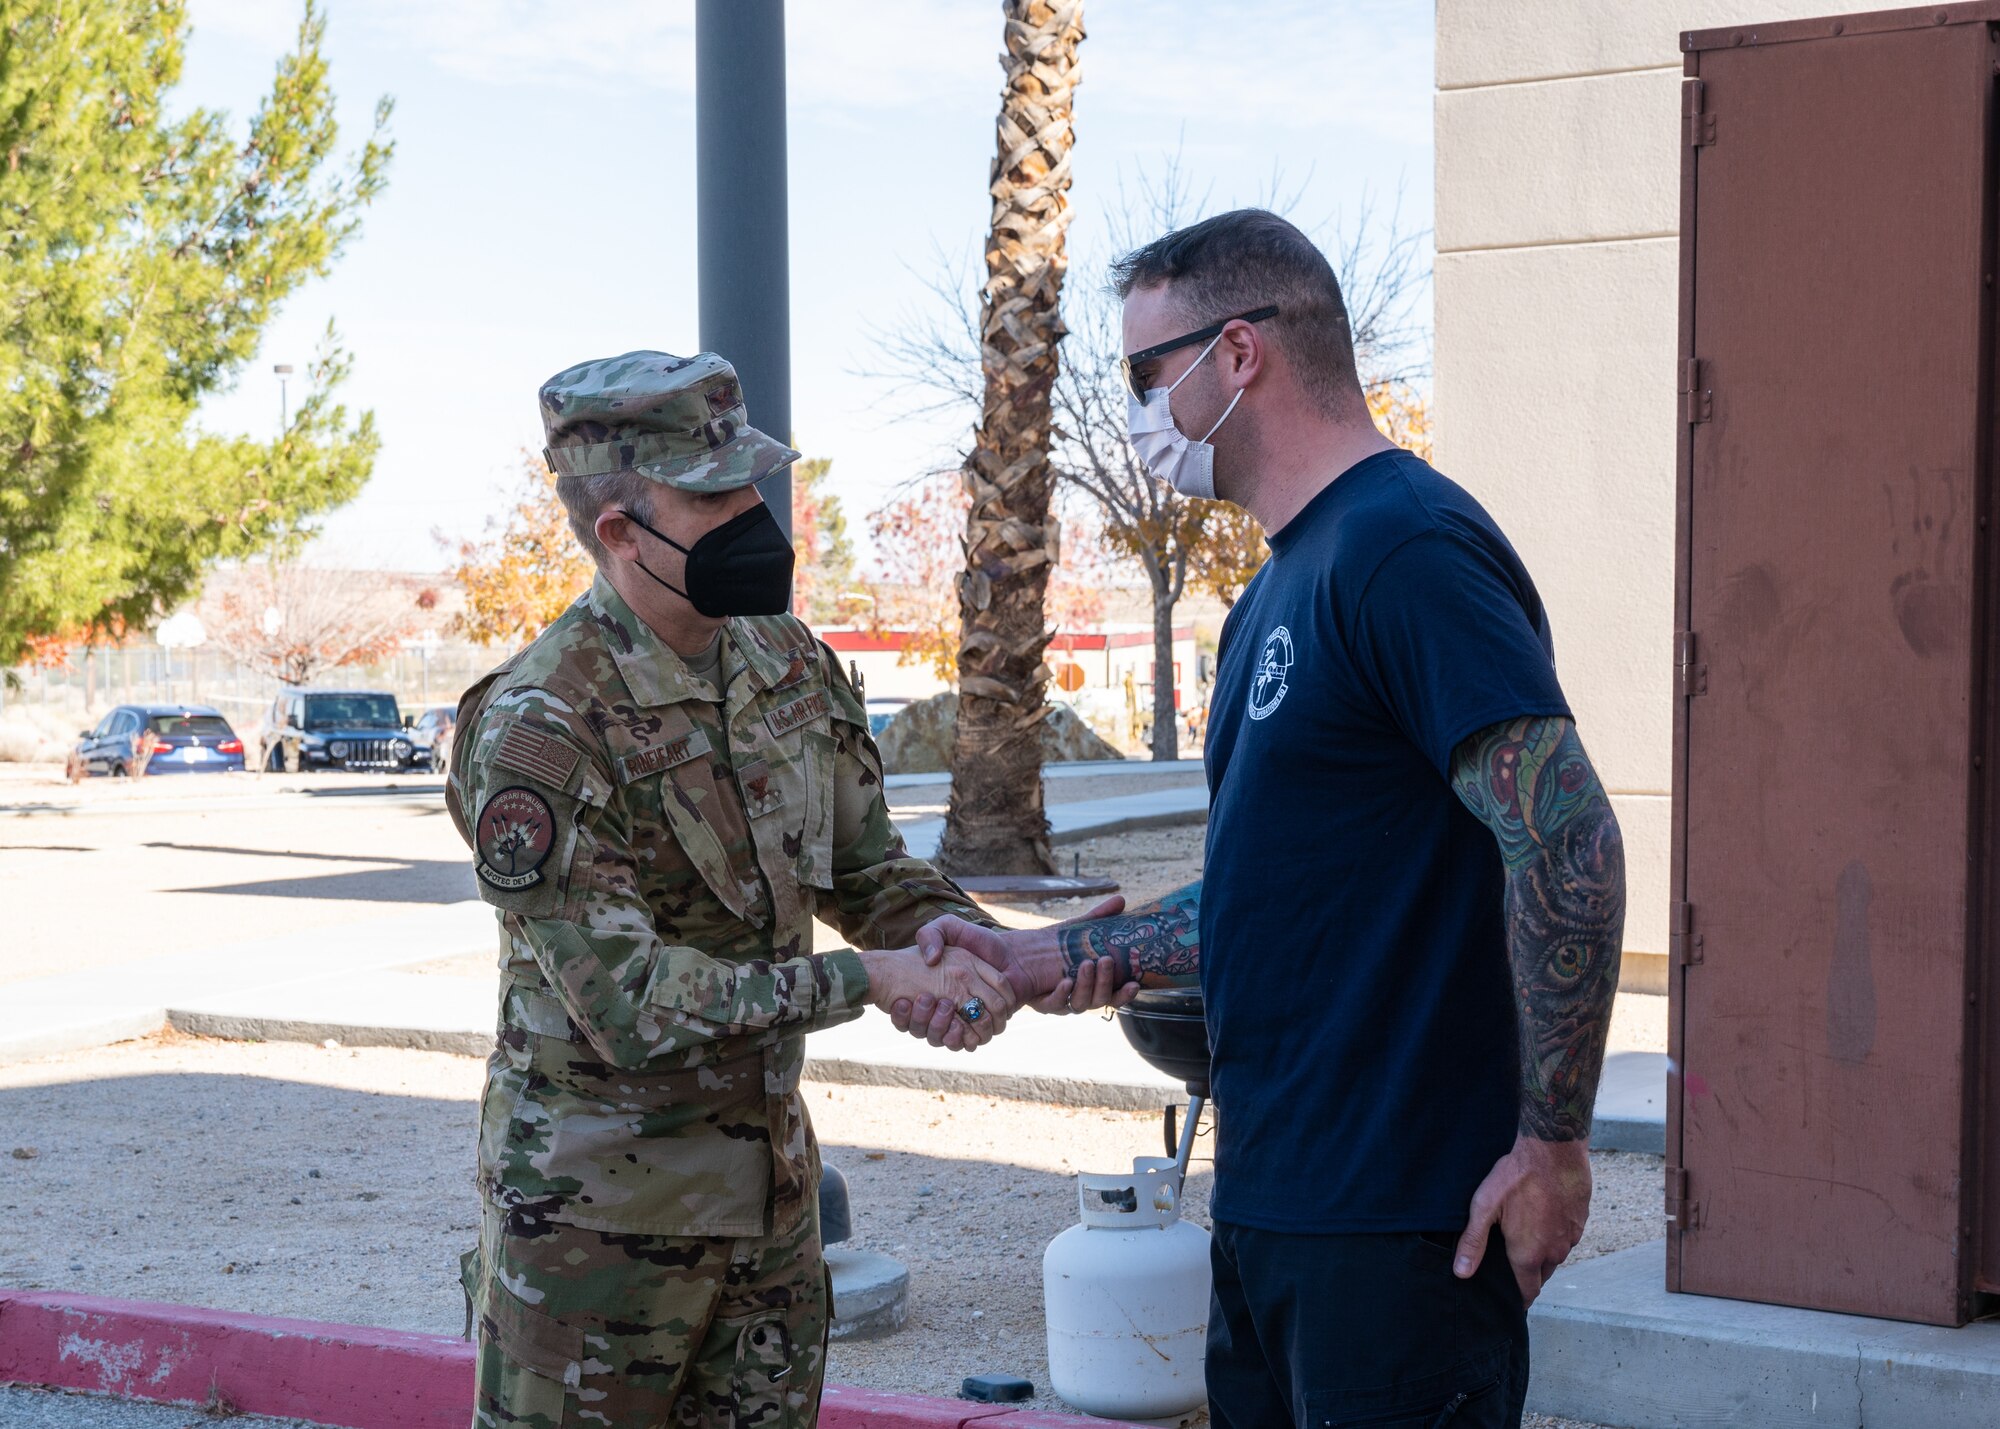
(742, 567)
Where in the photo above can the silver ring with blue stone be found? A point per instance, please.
(972, 1009)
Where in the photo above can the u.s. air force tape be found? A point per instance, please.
(802, 711)
(516, 832)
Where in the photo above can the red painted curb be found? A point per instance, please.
(351, 1376)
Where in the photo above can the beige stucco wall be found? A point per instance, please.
(1557, 287)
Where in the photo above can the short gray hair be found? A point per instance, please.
(586, 498)
(1238, 261)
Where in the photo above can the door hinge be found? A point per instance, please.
(1683, 942)
(1682, 1213)
(1690, 678)
(1697, 397)
(1697, 124)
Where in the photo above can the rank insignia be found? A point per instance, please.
(516, 832)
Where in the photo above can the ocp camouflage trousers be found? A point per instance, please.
(579, 1327)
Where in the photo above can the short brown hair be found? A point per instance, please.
(585, 498)
(1245, 259)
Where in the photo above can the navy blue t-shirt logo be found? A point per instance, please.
(1274, 667)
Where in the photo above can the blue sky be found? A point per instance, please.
(540, 206)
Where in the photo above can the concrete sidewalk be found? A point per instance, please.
(1078, 769)
(1089, 818)
(276, 984)
(69, 1011)
(209, 793)
(1613, 1347)
(350, 983)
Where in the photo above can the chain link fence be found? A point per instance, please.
(42, 708)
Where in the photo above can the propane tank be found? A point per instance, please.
(1126, 1296)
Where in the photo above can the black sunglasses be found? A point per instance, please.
(1128, 363)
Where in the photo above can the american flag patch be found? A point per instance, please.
(537, 755)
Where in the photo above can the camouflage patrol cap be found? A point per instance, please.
(677, 420)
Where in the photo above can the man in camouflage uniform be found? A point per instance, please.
(660, 801)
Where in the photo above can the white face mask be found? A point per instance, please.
(1168, 454)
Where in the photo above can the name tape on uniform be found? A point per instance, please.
(801, 711)
(691, 745)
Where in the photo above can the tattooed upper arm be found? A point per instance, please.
(1530, 782)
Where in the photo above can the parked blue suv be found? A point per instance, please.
(187, 739)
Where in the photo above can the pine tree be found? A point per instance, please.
(143, 260)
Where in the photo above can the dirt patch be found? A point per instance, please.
(335, 1184)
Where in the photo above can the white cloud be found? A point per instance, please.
(906, 50)
(270, 24)
(1276, 64)
(1296, 64)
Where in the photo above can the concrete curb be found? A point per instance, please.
(348, 1376)
(1135, 823)
(243, 1027)
(1617, 1133)
(58, 1037)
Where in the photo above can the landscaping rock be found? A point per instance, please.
(919, 739)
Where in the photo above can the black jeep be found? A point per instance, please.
(340, 729)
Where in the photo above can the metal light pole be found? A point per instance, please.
(284, 370)
(743, 257)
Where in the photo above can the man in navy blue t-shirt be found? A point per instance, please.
(1408, 930)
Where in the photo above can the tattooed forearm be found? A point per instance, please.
(1530, 782)
(1159, 944)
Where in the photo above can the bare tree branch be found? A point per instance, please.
(935, 354)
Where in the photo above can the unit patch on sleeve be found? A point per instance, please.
(639, 764)
(801, 711)
(537, 755)
(516, 831)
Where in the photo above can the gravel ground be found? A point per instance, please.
(44, 1409)
(1145, 864)
(334, 1184)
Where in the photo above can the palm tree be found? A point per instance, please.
(996, 823)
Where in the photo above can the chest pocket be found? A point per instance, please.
(815, 858)
(785, 770)
(694, 820)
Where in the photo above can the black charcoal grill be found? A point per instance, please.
(1167, 1026)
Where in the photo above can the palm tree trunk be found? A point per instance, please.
(1166, 719)
(996, 823)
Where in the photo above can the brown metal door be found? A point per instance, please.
(1838, 209)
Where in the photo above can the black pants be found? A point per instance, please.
(1333, 1331)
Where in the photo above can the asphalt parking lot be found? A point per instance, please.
(113, 876)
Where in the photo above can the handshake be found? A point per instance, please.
(960, 983)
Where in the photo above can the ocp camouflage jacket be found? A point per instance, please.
(657, 850)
